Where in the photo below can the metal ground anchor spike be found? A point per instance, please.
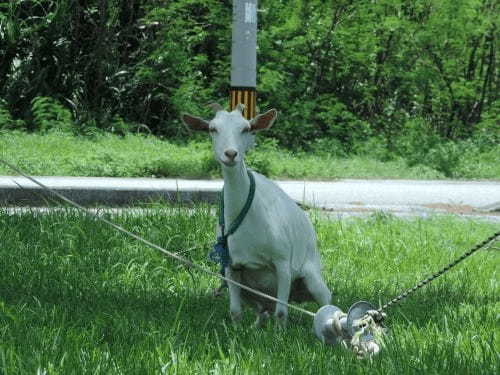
(358, 329)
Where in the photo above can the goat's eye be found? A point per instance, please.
(212, 130)
(245, 130)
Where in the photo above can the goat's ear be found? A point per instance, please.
(264, 120)
(194, 123)
(240, 107)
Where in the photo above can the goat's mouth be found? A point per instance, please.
(228, 163)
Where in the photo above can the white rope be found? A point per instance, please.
(154, 246)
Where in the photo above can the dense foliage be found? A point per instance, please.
(339, 71)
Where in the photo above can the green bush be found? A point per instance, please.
(118, 126)
(337, 122)
(50, 115)
(328, 147)
(6, 120)
(417, 137)
(487, 131)
(303, 124)
(260, 160)
(478, 160)
(419, 144)
(374, 147)
(444, 157)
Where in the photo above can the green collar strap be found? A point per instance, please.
(220, 252)
(239, 219)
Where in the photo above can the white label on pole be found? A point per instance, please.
(250, 13)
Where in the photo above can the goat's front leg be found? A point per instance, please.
(284, 279)
(234, 294)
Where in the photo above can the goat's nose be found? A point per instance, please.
(230, 153)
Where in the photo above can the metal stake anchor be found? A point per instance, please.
(359, 329)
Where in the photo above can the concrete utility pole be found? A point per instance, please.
(244, 56)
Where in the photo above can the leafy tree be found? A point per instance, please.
(340, 69)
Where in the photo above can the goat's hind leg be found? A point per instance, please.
(284, 280)
(316, 285)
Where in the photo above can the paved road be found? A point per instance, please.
(355, 196)
(399, 195)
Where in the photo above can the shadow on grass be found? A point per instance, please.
(426, 304)
(136, 323)
(198, 309)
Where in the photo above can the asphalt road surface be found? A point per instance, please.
(342, 197)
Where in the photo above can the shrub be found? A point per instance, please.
(417, 137)
(260, 160)
(477, 160)
(50, 115)
(444, 157)
(374, 147)
(339, 123)
(419, 144)
(304, 123)
(6, 120)
(119, 126)
(328, 147)
(487, 131)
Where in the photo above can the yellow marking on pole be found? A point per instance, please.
(253, 104)
(250, 105)
(247, 103)
(247, 97)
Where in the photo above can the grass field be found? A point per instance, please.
(140, 156)
(76, 297)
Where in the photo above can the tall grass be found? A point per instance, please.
(78, 297)
(144, 156)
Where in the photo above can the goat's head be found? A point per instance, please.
(232, 135)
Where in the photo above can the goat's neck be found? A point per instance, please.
(236, 188)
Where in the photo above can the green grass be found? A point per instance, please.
(77, 297)
(141, 156)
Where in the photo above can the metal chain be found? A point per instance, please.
(405, 294)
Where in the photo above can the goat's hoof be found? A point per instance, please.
(261, 320)
(281, 318)
(281, 324)
(217, 292)
(236, 316)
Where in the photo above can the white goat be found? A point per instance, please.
(274, 249)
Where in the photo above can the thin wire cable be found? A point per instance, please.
(154, 246)
(187, 262)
